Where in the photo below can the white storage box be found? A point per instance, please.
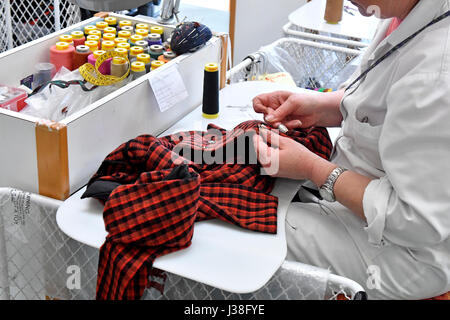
(56, 159)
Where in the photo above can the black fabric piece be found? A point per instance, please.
(100, 190)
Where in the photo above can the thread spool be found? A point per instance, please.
(123, 23)
(142, 32)
(111, 21)
(155, 51)
(159, 30)
(105, 67)
(108, 45)
(109, 36)
(134, 51)
(124, 45)
(142, 26)
(119, 66)
(110, 30)
(137, 69)
(61, 55)
(89, 28)
(143, 44)
(122, 51)
(101, 25)
(156, 64)
(124, 34)
(210, 106)
(167, 56)
(119, 40)
(80, 56)
(134, 38)
(92, 44)
(78, 38)
(95, 32)
(333, 11)
(44, 72)
(66, 38)
(145, 58)
(128, 28)
(154, 38)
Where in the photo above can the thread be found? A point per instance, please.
(88, 29)
(61, 55)
(123, 23)
(110, 30)
(101, 25)
(119, 40)
(122, 52)
(154, 38)
(78, 38)
(159, 30)
(156, 64)
(108, 45)
(167, 56)
(44, 73)
(111, 21)
(134, 38)
(134, 51)
(109, 36)
(105, 67)
(66, 38)
(210, 106)
(92, 44)
(155, 51)
(145, 58)
(137, 69)
(143, 44)
(80, 56)
(124, 34)
(128, 28)
(142, 26)
(142, 32)
(119, 66)
(124, 45)
(333, 11)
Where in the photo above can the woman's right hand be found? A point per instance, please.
(299, 110)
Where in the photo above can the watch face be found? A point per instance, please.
(326, 195)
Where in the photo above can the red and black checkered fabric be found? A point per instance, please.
(151, 214)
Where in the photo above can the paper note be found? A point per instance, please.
(168, 87)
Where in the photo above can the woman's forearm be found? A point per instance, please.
(329, 104)
(348, 189)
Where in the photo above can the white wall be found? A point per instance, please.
(260, 22)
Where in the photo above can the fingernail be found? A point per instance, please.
(269, 117)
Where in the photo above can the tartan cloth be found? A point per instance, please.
(158, 195)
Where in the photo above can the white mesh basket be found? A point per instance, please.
(311, 64)
(22, 21)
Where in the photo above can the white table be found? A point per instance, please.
(352, 26)
(221, 255)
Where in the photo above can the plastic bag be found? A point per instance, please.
(55, 103)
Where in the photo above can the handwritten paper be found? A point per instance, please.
(168, 87)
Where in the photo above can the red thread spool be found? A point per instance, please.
(61, 55)
(80, 56)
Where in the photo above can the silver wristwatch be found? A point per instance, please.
(326, 190)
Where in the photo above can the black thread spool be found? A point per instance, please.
(211, 91)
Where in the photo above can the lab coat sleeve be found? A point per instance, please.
(410, 205)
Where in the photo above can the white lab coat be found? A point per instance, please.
(396, 129)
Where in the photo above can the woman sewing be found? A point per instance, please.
(378, 211)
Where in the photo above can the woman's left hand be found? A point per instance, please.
(283, 157)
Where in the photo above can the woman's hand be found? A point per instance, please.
(300, 110)
(283, 157)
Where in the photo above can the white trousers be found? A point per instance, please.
(330, 236)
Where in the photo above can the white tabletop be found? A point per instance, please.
(311, 16)
(221, 255)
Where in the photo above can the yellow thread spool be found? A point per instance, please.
(109, 36)
(93, 45)
(124, 34)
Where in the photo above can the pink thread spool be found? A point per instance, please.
(61, 55)
(105, 67)
(78, 38)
